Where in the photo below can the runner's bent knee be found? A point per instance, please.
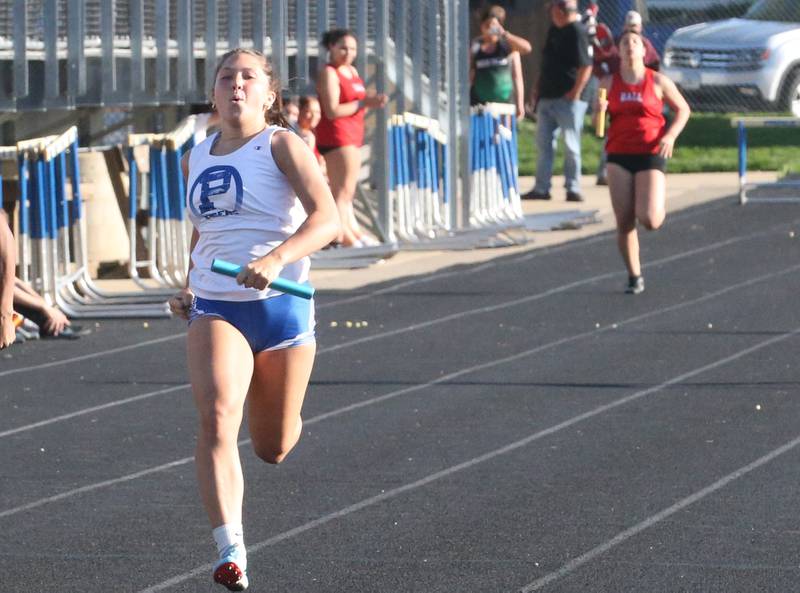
(274, 448)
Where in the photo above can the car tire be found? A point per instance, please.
(790, 94)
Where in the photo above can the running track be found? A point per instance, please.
(519, 425)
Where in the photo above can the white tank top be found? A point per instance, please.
(243, 207)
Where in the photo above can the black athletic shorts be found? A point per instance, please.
(633, 163)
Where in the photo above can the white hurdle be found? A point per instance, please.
(418, 180)
(742, 124)
(495, 196)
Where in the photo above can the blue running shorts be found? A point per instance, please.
(275, 323)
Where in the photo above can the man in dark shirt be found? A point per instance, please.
(566, 69)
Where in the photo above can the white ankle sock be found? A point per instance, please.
(230, 533)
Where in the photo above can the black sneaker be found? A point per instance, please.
(70, 332)
(635, 285)
(573, 196)
(535, 195)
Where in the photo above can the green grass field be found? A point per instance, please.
(707, 144)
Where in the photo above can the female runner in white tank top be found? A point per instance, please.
(256, 197)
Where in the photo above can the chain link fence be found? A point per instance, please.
(725, 55)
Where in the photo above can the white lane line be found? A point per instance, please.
(56, 363)
(389, 494)
(534, 297)
(95, 486)
(527, 256)
(85, 411)
(397, 393)
(627, 534)
(410, 328)
(388, 289)
(549, 345)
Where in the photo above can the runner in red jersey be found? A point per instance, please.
(340, 132)
(639, 142)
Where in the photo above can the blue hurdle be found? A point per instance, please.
(742, 124)
(494, 177)
(162, 187)
(418, 183)
(51, 233)
(60, 227)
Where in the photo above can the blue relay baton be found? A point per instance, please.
(289, 287)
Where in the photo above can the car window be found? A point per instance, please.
(787, 11)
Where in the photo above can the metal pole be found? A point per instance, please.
(211, 44)
(183, 20)
(20, 49)
(401, 23)
(137, 59)
(363, 37)
(451, 61)
(51, 69)
(434, 31)
(162, 49)
(419, 46)
(76, 71)
(302, 46)
(322, 17)
(462, 102)
(234, 8)
(278, 28)
(259, 25)
(380, 171)
(342, 17)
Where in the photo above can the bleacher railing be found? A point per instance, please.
(128, 53)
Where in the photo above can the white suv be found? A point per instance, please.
(756, 57)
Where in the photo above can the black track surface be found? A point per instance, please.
(516, 425)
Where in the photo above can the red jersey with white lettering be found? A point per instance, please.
(637, 118)
(347, 130)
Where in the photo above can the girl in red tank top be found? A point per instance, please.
(347, 130)
(637, 117)
(340, 132)
(639, 142)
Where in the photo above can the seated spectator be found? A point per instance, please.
(8, 264)
(307, 120)
(19, 297)
(50, 322)
(291, 112)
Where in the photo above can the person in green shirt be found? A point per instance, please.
(495, 67)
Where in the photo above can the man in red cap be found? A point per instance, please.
(633, 22)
